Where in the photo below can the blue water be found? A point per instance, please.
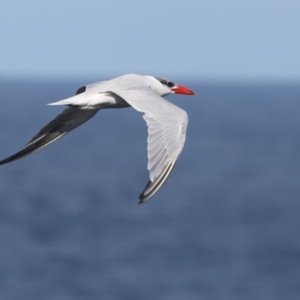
(224, 226)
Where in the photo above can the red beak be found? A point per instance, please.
(182, 90)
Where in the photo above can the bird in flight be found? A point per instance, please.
(167, 123)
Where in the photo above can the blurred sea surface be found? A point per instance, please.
(224, 226)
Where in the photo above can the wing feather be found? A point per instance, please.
(167, 126)
(67, 120)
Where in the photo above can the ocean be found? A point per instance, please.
(224, 226)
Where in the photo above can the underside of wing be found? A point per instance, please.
(67, 120)
(167, 126)
(165, 142)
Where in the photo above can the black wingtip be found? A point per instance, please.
(141, 199)
(143, 196)
(152, 187)
(16, 156)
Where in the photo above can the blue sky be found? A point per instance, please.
(200, 39)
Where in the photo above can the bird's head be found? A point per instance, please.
(167, 87)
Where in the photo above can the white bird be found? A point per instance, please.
(166, 122)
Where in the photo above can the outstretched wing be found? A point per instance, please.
(67, 120)
(167, 126)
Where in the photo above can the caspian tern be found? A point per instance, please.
(166, 122)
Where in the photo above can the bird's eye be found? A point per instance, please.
(170, 84)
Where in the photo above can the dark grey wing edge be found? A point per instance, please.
(67, 120)
(152, 187)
